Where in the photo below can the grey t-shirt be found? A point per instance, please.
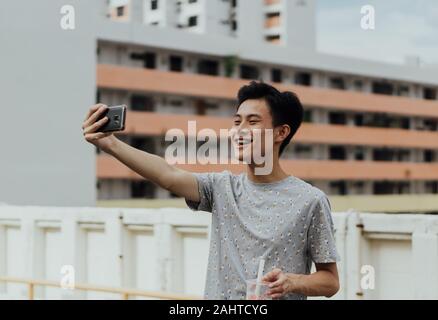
(287, 222)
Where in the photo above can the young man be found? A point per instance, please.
(275, 216)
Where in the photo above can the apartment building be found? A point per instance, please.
(281, 22)
(370, 128)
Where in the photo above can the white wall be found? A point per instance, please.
(167, 250)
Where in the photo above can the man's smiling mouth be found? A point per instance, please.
(243, 141)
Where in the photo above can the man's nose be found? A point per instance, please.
(243, 131)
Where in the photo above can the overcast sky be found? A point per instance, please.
(403, 27)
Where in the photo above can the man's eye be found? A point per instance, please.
(236, 123)
(253, 122)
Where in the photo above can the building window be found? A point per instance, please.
(276, 75)
(120, 11)
(307, 117)
(301, 151)
(405, 123)
(358, 120)
(272, 19)
(273, 38)
(193, 21)
(208, 67)
(233, 25)
(149, 59)
(154, 4)
(431, 125)
(337, 118)
(432, 187)
(193, 1)
(142, 103)
(359, 154)
(176, 103)
(359, 185)
(383, 187)
(404, 155)
(233, 3)
(383, 154)
(142, 189)
(429, 156)
(200, 107)
(337, 153)
(402, 187)
(339, 187)
(383, 88)
(303, 79)
(176, 63)
(390, 187)
(379, 120)
(249, 72)
(337, 83)
(358, 85)
(403, 91)
(301, 148)
(144, 144)
(429, 94)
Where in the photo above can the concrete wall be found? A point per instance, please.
(300, 24)
(47, 79)
(251, 22)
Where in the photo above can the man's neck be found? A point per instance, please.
(276, 174)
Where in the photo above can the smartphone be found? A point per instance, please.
(116, 119)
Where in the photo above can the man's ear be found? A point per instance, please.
(282, 132)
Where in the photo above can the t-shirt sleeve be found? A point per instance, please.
(205, 188)
(321, 234)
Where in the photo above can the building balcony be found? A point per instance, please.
(202, 86)
(110, 168)
(157, 124)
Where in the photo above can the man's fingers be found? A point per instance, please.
(276, 291)
(277, 283)
(97, 136)
(272, 276)
(94, 115)
(92, 110)
(95, 126)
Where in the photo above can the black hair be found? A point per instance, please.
(285, 107)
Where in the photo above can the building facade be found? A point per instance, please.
(370, 128)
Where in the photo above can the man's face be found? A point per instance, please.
(249, 129)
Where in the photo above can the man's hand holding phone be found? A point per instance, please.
(95, 120)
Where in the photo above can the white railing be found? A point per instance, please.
(166, 250)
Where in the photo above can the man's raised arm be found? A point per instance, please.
(149, 166)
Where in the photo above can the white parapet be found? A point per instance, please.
(384, 256)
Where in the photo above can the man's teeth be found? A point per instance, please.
(244, 141)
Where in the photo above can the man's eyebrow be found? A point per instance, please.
(253, 115)
(248, 116)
